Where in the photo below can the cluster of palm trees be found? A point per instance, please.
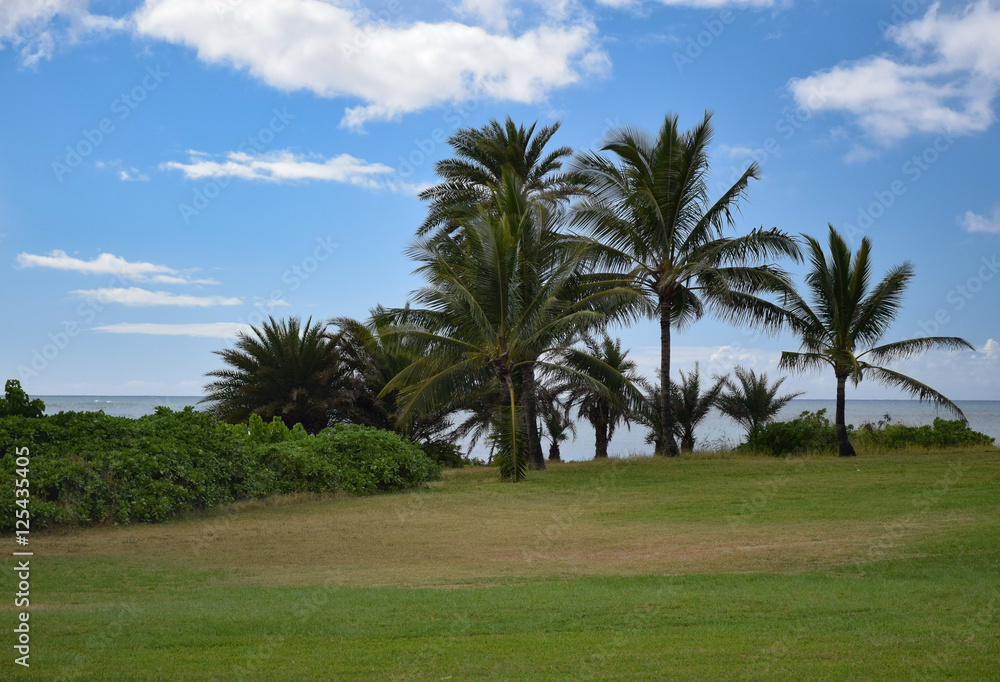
(529, 256)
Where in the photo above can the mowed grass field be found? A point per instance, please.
(700, 567)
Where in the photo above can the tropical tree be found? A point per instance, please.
(281, 369)
(374, 357)
(17, 403)
(691, 405)
(846, 320)
(484, 324)
(649, 207)
(559, 426)
(604, 409)
(482, 155)
(752, 400)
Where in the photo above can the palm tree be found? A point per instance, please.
(559, 426)
(650, 210)
(604, 409)
(481, 157)
(691, 406)
(848, 318)
(281, 369)
(375, 356)
(752, 401)
(483, 324)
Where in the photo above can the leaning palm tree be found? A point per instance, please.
(752, 401)
(691, 405)
(280, 369)
(604, 409)
(848, 318)
(650, 209)
(483, 325)
(481, 157)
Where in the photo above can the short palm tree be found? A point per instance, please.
(605, 407)
(649, 208)
(483, 324)
(282, 369)
(751, 400)
(691, 405)
(558, 425)
(481, 157)
(848, 317)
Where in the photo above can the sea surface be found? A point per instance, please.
(716, 431)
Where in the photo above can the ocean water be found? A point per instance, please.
(715, 431)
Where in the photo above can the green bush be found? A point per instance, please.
(88, 467)
(358, 459)
(809, 432)
(944, 433)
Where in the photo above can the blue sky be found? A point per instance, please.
(171, 170)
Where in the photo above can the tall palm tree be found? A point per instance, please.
(848, 318)
(604, 409)
(649, 207)
(691, 406)
(483, 324)
(282, 369)
(481, 157)
(752, 401)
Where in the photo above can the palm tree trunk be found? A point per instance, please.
(687, 442)
(846, 449)
(554, 451)
(529, 399)
(667, 442)
(601, 445)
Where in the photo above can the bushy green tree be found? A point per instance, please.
(16, 402)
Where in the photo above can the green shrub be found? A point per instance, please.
(358, 459)
(809, 432)
(943, 433)
(88, 467)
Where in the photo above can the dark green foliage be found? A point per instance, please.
(358, 459)
(809, 432)
(445, 453)
(812, 432)
(16, 402)
(88, 467)
(944, 433)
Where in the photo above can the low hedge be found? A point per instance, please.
(88, 467)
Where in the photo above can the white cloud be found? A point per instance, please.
(392, 69)
(699, 4)
(214, 330)
(109, 264)
(282, 166)
(991, 349)
(35, 26)
(945, 82)
(973, 222)
(135, 297)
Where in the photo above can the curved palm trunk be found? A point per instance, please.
(844, 445)
(529, 399)
(601, 444)
(667, 444)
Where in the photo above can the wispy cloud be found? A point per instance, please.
(989, 224)
(284, 166)
(214, 330)
(109, 264)
(134, 297)
(945, 81)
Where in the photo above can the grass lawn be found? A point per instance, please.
(700, 567)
